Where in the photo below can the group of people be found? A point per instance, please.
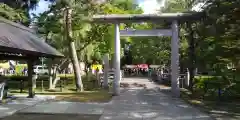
(7, 71)
(138, 70)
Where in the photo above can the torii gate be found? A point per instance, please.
(173, 32)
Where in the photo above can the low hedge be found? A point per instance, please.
(229, 90)
(200, 81)
(68, 80)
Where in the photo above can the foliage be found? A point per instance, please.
(223, 39)
(12, 14)
(214, 45)
(17, 10)
(92, 40)
(201, 80)
(19, 68)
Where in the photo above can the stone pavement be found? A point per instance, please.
(62, 107)
(149, 104)
(20, 103)
(27, 116)
(134, 103)
(60, 110)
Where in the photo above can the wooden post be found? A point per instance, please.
(31, 91)
(34, 80)
(42, 85)
(21, 86)
(187, 78)
(61, 85)
(2, 85)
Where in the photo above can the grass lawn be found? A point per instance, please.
(88, 96)
(97, 95)
(68, 93)
(64, 91)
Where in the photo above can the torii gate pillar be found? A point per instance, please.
(175, 59)
(117, 71)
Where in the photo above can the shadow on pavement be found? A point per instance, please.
(33, 116)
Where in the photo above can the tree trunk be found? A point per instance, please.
(74, 58)
(191, 55)
(55, 79)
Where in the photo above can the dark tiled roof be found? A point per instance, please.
(18, 39)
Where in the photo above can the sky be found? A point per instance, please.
(148, 6)
(42, 6)
(151, 6)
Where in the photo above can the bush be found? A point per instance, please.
(19, 68)
(228, 89)
(201, 80)
(89, 82)
(16, 77)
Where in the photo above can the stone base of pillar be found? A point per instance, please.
(31, 96)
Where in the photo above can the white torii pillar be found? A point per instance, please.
(117, 71)
(175, 60)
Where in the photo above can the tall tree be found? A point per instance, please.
(73, 51)
(76, 29)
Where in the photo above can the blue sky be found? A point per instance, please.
(148, 6)
(42, 6)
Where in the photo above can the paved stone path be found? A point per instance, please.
(20, 103)
(27, 116)
(66, 108)
(134, 103)
(149, 104)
